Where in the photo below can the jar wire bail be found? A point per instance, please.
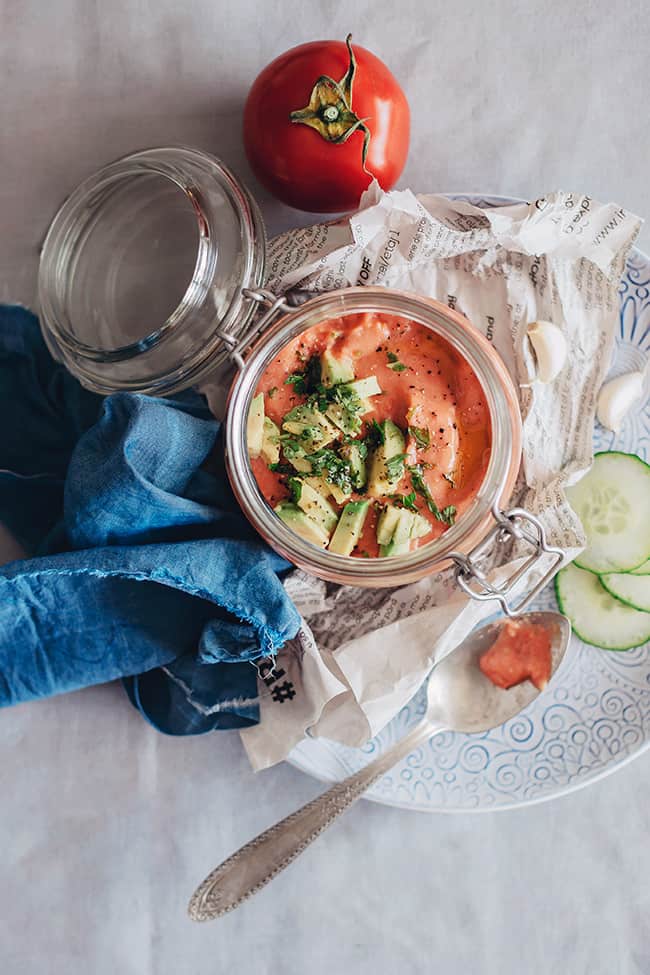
(517, 525)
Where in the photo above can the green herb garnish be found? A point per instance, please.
(346, 397)
(394, 363)
(448, 514)
(280, 468)
(307, 381)
(375, 435)
(449, 478)
(314, 433)
(295, 486)
(298, 381)
(272, 391)
(421, 436)
(395, 466)
(325, 463)
(291, 447)
(405, 500)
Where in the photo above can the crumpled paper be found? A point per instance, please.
(362, 654)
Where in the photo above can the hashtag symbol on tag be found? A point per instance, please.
(268, 672)
(283, 692)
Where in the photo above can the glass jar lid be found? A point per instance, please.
(142, 271)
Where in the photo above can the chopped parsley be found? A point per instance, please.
(448, 514)
(325, 463)
(291, 447)
(295, 486)
(297, 380)
(421, 436)
(394, 363)
(405, 500)
(280, 468)
(306, 381)
(272, 391)
(395, 466)
(375, 435)
(346, 397)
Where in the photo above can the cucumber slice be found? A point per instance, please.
(643, 570)
(613, 503)
(596, 617)
(630, 589)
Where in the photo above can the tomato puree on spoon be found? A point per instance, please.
(522, 651)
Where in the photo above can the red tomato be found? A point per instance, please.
(314, 161)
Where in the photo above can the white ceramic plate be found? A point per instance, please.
(591, 721)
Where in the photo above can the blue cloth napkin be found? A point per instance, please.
(143, 566)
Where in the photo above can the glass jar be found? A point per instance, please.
(151, 277)
(144, 265)
(503, 464)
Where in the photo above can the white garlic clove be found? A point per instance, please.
(549, 350)
(616, 398)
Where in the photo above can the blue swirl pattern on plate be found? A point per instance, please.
(594, 717)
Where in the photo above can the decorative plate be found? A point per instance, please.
(591, 721)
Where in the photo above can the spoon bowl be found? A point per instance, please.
(459, 695)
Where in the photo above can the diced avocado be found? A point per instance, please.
(401, 540)
(311, 426)
(394, 548)
(255, 426)
(420, 527)
(301, 524)
(339, 495)
(348, 531)
(387, 462)
(366, 387)
(270, 441)
(346, 420)
(334, 371)
(355, 454)
(327, 489)
(386, 524)
(317, 507)
(295, 454)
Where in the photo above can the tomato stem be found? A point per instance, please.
(329, 111)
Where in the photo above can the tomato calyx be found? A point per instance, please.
(329, 111)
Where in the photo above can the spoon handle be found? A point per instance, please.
(260, 860)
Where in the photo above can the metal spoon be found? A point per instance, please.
(460, 698)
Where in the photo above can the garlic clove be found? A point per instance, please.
(549, 350)
(616, 398)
